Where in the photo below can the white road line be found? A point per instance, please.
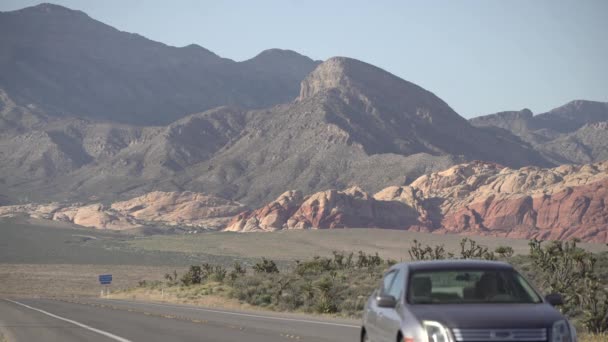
(84, 326)
(238, 314)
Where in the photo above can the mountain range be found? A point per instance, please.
(68, 64)
(94, 115)
(576, 132)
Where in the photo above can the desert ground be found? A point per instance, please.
(38, 258)
(289, 245)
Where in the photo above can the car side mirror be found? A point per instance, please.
(386, 301)
(554, 299)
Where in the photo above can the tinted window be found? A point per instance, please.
(398, 285)
(469, 286)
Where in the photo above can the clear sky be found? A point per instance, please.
(480, 56)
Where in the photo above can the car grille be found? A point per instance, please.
(495, 335)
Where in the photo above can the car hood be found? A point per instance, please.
(488, 316)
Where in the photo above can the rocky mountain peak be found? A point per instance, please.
(347, 75)
(580, 105)
(329, 74)
(376, 88)
(50, 9)
(273, 54)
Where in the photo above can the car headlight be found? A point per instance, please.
(561, 332)
(436, 332)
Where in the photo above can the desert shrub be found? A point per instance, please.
(321, 284)
(238, 270)
(567, 269)
(504, 251)
(192, 277)
(218, 273)
(315, 266)
(593, 301)
(266, 266)
(343, 261)
(171, 278)
(326, 300)
(469, 249)
(151, 284)
(419, 252)
(256, 289)
(341, 283)
(365, 260)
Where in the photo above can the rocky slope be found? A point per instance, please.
(473, 199)
(87, 110)
(67, 63)
(184, 209)
(576, 132)
(353, 123)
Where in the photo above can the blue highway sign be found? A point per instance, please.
(105, 279)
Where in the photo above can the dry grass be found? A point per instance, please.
(203, 295)
(207, 295)
(593, 338)
(59, 280)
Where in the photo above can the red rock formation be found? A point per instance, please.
(335, 209)
(326, 209)
(273, 216)
(575, 212)
(473, 199)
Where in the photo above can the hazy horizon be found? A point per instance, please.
(481, 57)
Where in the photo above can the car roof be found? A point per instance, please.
(454, 264)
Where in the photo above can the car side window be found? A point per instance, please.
(386, 282)
(398, 286)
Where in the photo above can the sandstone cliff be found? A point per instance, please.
(152, 209)
(475, 198)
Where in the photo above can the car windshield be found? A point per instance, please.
(469, 286)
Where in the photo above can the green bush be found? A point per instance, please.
(193, 276)
(266, 266)
(469, 249)
(218, 274)
(172, 278)
(238, 270)
(341, 283)
(567, 269)
(504, 252)
(154, 284)
(322, 285)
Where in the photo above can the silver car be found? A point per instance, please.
(461, 301)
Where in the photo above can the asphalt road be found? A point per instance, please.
(113, 320)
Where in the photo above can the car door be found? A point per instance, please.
(389, 319)
(372, 312)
